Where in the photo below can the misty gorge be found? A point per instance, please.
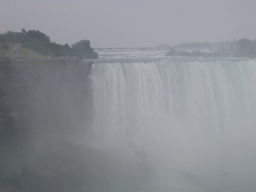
(131, 120)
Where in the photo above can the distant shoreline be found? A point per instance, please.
(25, 61)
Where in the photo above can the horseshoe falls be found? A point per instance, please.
(193, 120)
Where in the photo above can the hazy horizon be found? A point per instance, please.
(140, 23)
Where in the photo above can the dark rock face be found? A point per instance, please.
(8, 188)
(42, 96)
(11, 123)
(39, 101)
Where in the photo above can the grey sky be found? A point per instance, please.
(132, 23)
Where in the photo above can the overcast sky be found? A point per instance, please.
(132, 23)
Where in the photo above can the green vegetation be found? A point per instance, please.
(5, 46)
(82, 49)
(27, 53)
(241, 48)
(22, 52)
(37, 45)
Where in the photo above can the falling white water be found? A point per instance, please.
(195, 119)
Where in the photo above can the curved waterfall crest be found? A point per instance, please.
(192, 120)
(131, 96)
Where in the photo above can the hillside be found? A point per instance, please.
(37, 45)
(19, 52)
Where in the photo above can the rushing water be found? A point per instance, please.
(194, 118)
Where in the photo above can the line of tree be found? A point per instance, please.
(41, 43)
(236, 48)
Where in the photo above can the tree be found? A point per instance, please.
(41, 43)
(9, 36)
(23, 31)
(1, 38)
(5, 46)
(35, 34)
(245, 48)
(82, 49)
(172, 52)
(66, 46)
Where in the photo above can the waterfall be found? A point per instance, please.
(196, 116)
(211, 94)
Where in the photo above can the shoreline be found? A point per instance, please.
(7, 61)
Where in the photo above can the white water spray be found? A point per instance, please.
(195, 120)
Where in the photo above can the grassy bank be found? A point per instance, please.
(14, 50)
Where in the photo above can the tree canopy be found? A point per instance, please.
(41, 43)
(83, 50)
